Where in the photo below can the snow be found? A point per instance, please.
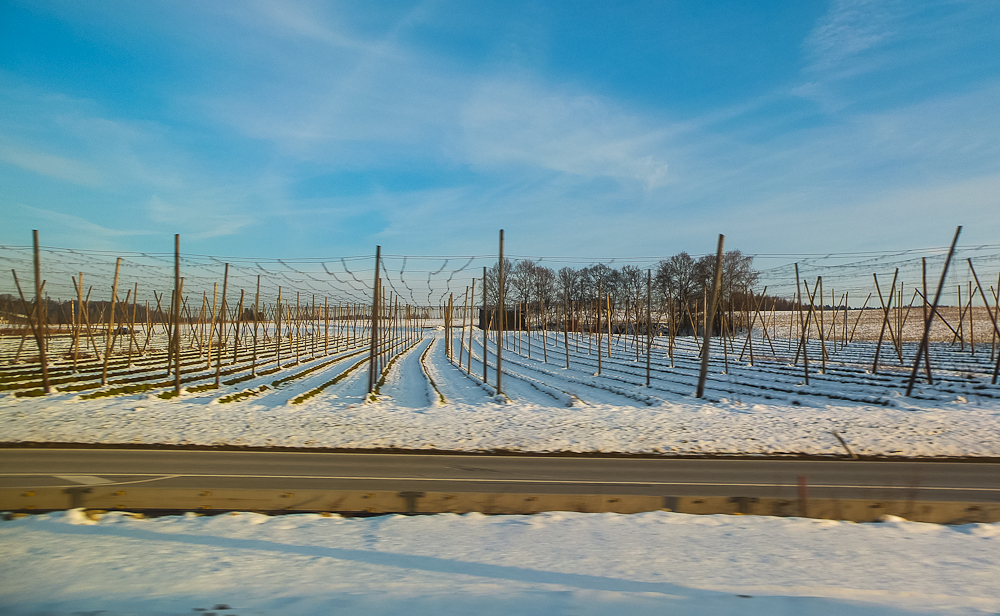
(78, 562)
(758, 410)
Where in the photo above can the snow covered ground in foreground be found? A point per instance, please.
(750, 410)
(546, 564)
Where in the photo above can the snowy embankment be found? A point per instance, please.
(546, 564)
(763, 409)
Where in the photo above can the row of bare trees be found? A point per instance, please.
(679, 284)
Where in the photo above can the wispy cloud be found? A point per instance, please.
(70, 230)
(58, 167)
(203, 218)
(508, 122)
(850, 28)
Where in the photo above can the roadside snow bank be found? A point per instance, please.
(683, 427)
(553, 563)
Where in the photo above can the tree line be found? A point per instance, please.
(679, 285)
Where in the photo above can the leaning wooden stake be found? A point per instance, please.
(710, 319)
(923, 304)
(886, 306)
(930, 319)
(802, 325)
(993, 318)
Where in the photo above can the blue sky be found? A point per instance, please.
(295, 129)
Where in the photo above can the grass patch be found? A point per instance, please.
(128, 389)
(31, 393)
(201, 388)
(243, 395)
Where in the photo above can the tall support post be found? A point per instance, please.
(451, 317)
(803, 329)
(374, 335)
(566, 324)
(256, 312)
(222, 325)
(111, 324)
(923, 277)
(79, 324)
(930, 317)
(39, 324)
(277, 330)
(485, 323)
(710, 319)
(471, 327)
(600, 296)
(649, 321)
(461, 334)
(176, 339)
(501, 301)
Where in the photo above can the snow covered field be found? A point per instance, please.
(761, 409)
(546, 564)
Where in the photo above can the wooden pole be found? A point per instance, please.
(649, 322)
(486, 330)
(278, 308)
(993, 317)
(79, 326)
(238, 322)
(111, 324)
(131, 325)
(710, 318)
(885, 316)
(566, 324)
(177, 313)
(600, 297)
(927, 327)
(858, 320)
(471, 327)
(802, 326)
(501, 300)
(256, 317)
(923, 303)
(461, 335)
(39, 319)
(374, 333)
(222, 325)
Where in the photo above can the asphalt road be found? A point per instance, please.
(934, 481)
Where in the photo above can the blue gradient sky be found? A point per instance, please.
(292, 129)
